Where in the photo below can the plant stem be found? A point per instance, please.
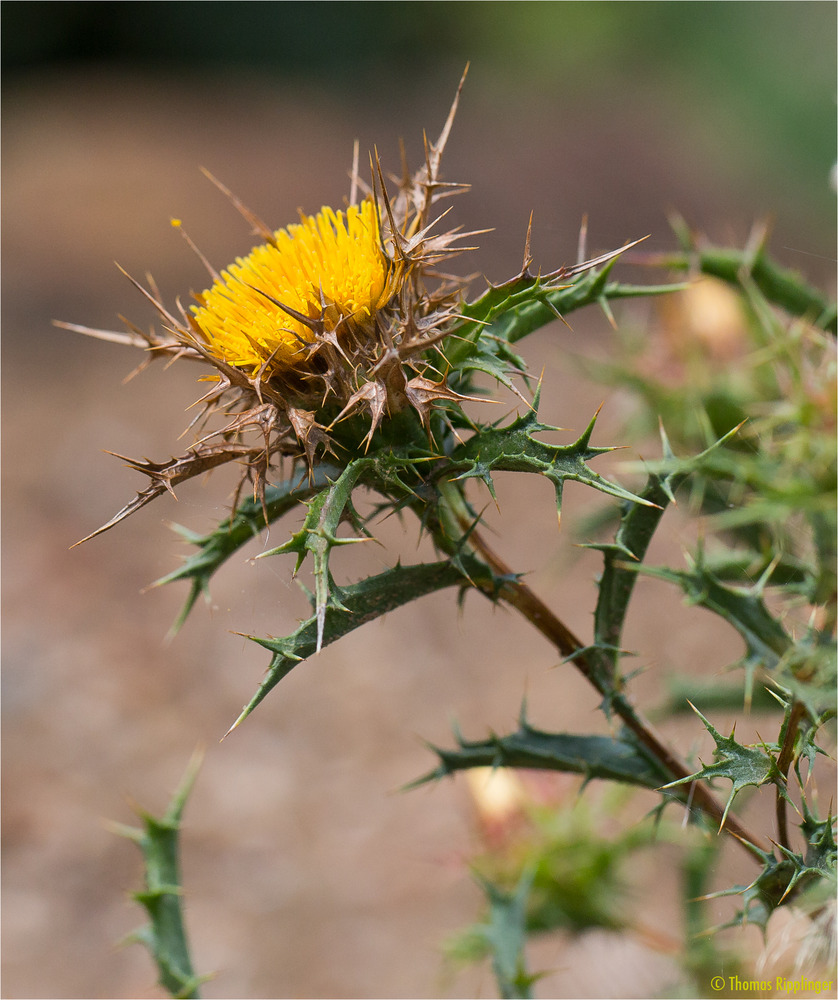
(789, 734)
(519, 596)
(780, 286)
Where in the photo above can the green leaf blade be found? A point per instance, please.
(362, 602)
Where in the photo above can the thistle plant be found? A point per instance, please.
(342, 357)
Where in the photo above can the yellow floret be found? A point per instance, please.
(329, 266)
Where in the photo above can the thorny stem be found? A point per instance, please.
(519, 596)
(780, 286)
(784, 762)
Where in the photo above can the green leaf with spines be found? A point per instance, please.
(516, 308)
(742, 765)
(165, 935)
(318, 537)
(805, 746)
(360, 603)
(514, 448)
(611, 758)
(391, 471)
(245, 523)
(766, 642)
(505, 935)
(781, 880)
(492, 356)
(762, 896)
(821, 848)
(638, 523)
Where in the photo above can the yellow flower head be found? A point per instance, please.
(327, 274)
(339, 315)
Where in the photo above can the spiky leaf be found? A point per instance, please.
(237, 530)
(613, 758)
(743, 765)
(162, 897)
(514, 448)
(744, 608)
(360, 603)
(318, 537)
(505, 935)
(637, 526)
(526, 303)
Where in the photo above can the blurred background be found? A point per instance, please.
(307, 874)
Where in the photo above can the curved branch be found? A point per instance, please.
(519, 596)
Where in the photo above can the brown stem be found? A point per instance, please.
(784, 762)
(519, 596)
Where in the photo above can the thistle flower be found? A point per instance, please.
(262, 312)
(327, 318)
(343, 315)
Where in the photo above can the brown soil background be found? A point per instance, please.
(306, 872)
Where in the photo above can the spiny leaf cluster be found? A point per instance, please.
(405, 470)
